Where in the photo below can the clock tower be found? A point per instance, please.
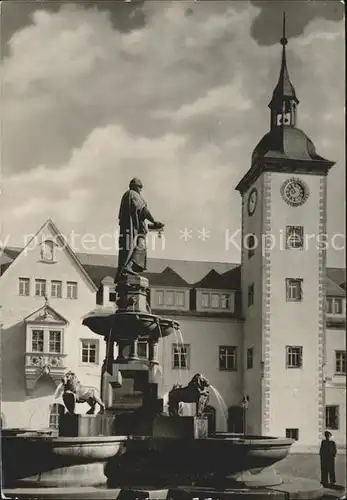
(283, 275)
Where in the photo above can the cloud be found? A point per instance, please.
(180, 103)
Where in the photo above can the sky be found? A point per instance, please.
(175, 93)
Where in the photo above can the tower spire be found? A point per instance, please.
(284, 100)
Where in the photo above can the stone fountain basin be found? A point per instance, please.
(37, 460)
(46, 461)
(106, 322)
(147, 460)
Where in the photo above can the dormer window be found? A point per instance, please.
(48, 251)
(170, 298)
(216, 300)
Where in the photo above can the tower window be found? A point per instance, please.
(251, 295)
(250, 358)
(332, 417)
(294, 237)
(250, 245)
(294, 356)
(340, 362)
(294, 289)
(292, 434)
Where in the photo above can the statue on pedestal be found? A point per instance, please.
(133, 214)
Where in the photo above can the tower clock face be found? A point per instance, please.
(252, 201)
(294, 192)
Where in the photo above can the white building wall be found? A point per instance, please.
(295, 392)
(19, 408)
(204, 336)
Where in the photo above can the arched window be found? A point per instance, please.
(56, 410)
(235, 419)
(211, 414)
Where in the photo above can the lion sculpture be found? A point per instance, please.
(195, 392)
(74, 392)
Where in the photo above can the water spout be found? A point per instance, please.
(222, 406)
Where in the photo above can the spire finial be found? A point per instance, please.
(284, 40)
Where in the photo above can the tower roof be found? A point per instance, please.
(284, 89)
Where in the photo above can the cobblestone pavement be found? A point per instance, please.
(308, 465)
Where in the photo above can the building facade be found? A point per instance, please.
(268, 333)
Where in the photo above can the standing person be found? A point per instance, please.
(327, 460)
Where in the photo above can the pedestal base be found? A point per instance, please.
(86, 425)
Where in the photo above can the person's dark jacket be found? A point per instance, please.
(327, 449)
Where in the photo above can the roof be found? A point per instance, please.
(289, 142)
(333, 289)
(337, 274)
(230, 280)
(179, 273)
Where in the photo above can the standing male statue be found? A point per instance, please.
(133, 214)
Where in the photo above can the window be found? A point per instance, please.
(340, 362)
(40, 288)
(334, 305)
(205, 300)
(294, 356)
(169, 298)
(292, 434)
(225, 302)
(89, 351)
(180, 299)
(55, 341)
(71, 290)
(215, 300)
(250, 295)
(180, 355)
(37, 341)
(47, 251)
(294, 289)
(56, 289)
(159, 298)
(294, 237)
(249, 358)
(142, 349)
(56, 410)
(250, 245)
(332, 417)
(228, 358)
(24, 286)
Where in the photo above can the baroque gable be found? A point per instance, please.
(46, 314)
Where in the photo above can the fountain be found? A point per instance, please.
(131, 445)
